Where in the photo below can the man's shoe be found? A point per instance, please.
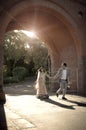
(57, 94)
(64, 98)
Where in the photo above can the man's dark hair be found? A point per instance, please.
(65, 64)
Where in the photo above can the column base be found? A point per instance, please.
(2, 97)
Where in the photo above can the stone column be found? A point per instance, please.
(4, 18)
(2, 94)
(80, 79)
(82, 62)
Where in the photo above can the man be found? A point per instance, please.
(63, 75)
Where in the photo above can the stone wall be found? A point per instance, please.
(60, 24)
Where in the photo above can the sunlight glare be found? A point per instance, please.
(30, 33)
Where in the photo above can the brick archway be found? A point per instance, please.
(55, 26)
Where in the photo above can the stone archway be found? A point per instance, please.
(55, 26)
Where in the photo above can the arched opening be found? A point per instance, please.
(61, 25)
(53, 25)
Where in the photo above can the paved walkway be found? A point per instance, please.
(23, 111)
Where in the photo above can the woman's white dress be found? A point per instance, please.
(40, 84)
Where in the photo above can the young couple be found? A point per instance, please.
(63, 75)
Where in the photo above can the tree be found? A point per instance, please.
(13, 48)
(20, 50)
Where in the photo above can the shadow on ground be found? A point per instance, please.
(59, 104)
(80, 104)
(75, 103)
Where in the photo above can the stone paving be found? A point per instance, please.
(25, 112)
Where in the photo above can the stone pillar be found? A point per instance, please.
(2, 94)
(82, 77)
(82, 63)
(3, 24)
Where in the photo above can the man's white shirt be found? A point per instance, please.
(64, 74)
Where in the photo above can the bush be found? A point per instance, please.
(19, 73)
(10, 80)
(5, 70)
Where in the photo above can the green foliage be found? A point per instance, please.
(40, 55)
(14, 47)
(5, 72)
(10, 80)
(20, 50)
(19, 73)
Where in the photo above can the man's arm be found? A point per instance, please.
(57, 74)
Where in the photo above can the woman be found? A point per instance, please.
(40, 84)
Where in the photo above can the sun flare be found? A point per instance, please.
(29, 33)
